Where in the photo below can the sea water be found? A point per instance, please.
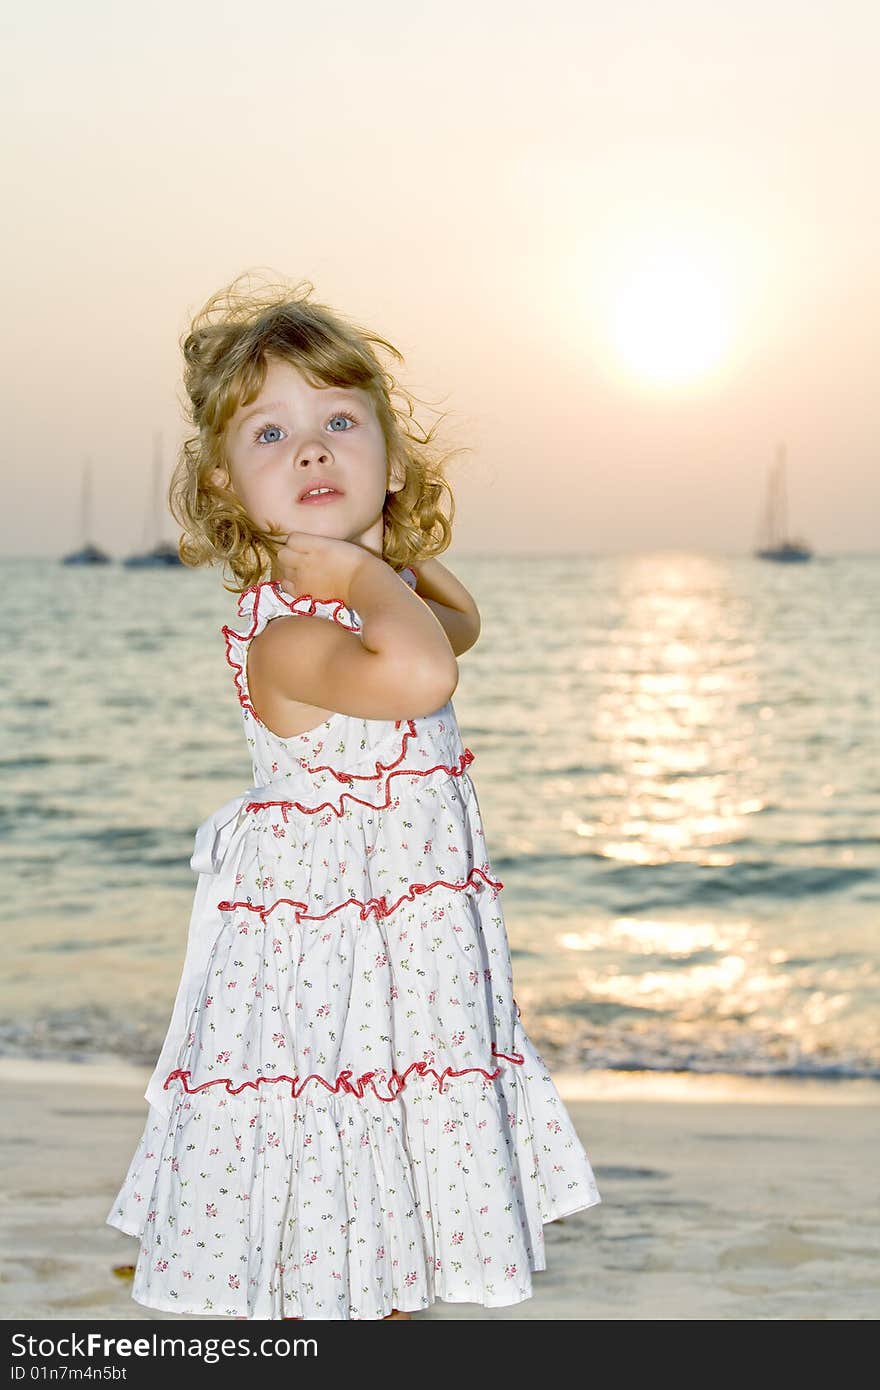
(677, 760)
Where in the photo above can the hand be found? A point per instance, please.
(321, 565)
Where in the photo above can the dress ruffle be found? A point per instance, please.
(259, 1205)
(317, 787)
(330, 960)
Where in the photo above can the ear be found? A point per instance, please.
(220, 478)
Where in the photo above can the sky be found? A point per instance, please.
(625, 250)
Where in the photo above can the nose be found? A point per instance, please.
(314, 452)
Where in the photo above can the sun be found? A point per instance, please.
(668, 321)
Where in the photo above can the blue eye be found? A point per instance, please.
(263, 429)
(337, 415)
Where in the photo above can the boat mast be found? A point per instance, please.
(157, 469)
(767, 526)
(777, 544)
(85, 503)
(782, 499)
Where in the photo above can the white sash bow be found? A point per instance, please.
(215, 835)
(215, 861)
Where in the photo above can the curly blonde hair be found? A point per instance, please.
(226, 352)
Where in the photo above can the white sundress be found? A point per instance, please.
(347, 1115)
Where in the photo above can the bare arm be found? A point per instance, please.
(400, 665)
(451, 603)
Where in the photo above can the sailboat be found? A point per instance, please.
(162, 553)
(88, 553)
(774, 543)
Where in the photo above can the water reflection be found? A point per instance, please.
(677, 676)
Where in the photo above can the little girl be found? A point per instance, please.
(347, 1119)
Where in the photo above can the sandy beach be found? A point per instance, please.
(721, 1198)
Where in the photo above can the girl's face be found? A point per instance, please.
(295, 437)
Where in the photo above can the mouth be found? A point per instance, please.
(315, 499)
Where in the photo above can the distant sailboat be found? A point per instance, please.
(88, 553)
(774, 543)
(163, 553)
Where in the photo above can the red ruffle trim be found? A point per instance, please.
(343, 1082)
(464, 760)
(379, 906)
(381, 768)
(231, 635)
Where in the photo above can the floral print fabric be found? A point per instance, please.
(356, 1119)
